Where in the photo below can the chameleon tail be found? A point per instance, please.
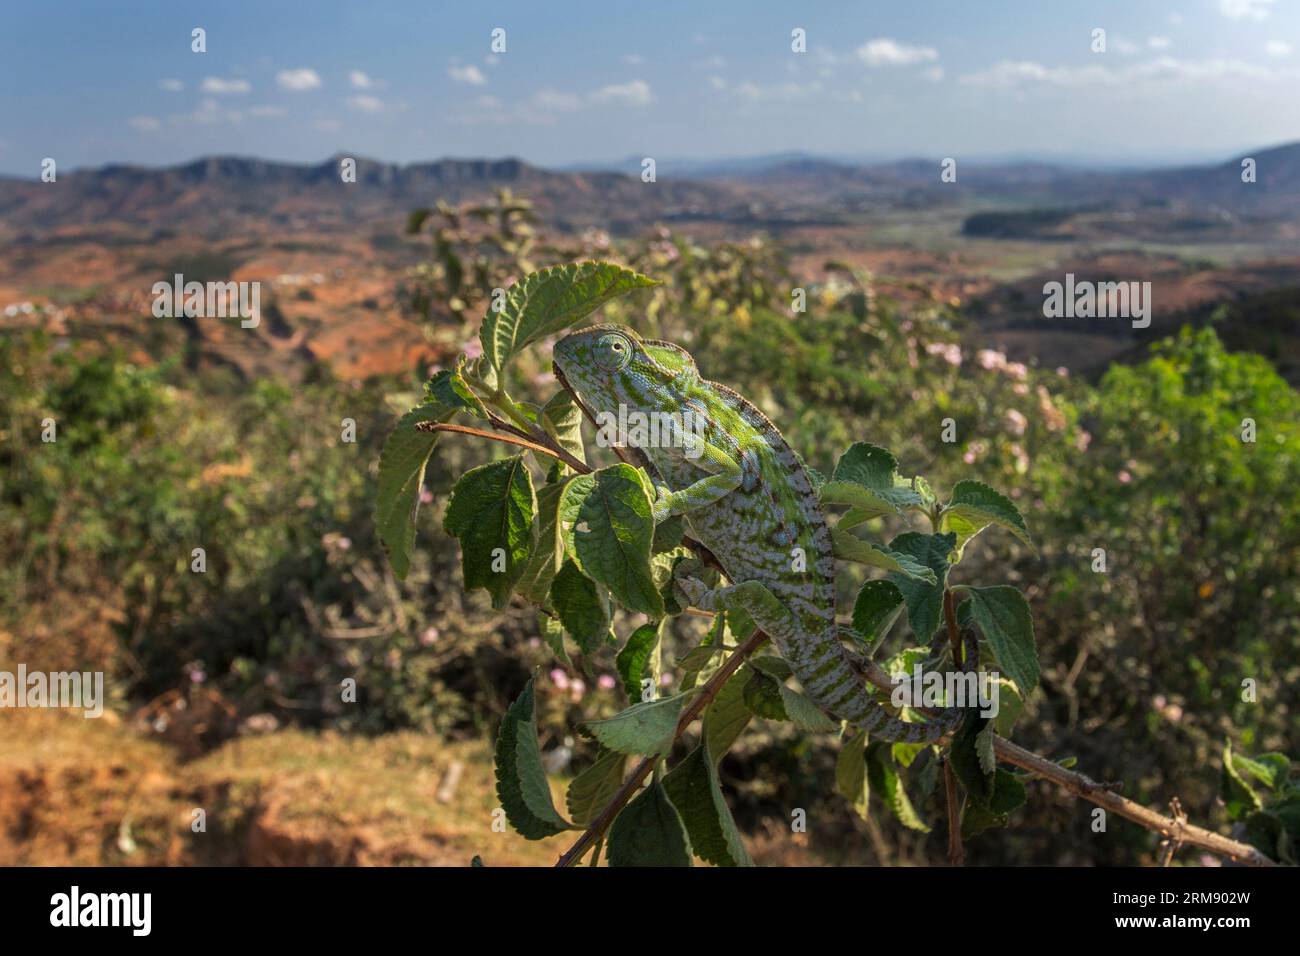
(855, 703)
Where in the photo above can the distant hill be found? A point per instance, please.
(217, 195)
(208, 196)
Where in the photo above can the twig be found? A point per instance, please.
(596, 830)
(956, 852)
(509, 439)
(1105, 797)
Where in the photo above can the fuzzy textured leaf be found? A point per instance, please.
(549, 301)
(492, 508)
(693, 787)
(521, 780)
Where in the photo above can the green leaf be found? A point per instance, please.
(965, 760)
(1238, 795)
(803, 713)
(1010, 706)
(448, 387)
(612, 531)
(646, 728)
(669, 534)
(884, 780)
(767, 697)
(693, 788)
(850, 547)
(727, 717)
(1008, 794)
(592, 789)
(924, 600)
(562, 420)
(577, 602)
(876, 609)
(694, 661)
(1268, 769)
(866, 478)
(553, 633)
(649, 832)
(1002, 615)
(521, 781)
(491, 512)
(973, 508)
(546, 551)
(401, 474)
(546, 302)
(851, 773)
(763, 697)
(633, 661)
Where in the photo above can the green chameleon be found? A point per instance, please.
(746, 495)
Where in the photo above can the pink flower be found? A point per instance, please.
(577, 689)
(429, 636)
(1124, 477)
(605, 682)
(1082, 441)
(472, 348)
(949, 351)
(426, 496)
(559, 679)
(990, 359)
(1017, 370)
(1062, 371)
(1016, 422)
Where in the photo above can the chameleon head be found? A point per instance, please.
(608, 366)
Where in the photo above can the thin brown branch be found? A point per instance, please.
(1105, 797)
(491, 436)
(632, 784)
(956, 852)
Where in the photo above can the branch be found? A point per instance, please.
(598, 826)
(1081, 786)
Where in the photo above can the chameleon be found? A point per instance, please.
(747, 496)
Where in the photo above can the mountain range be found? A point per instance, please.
(211, 195)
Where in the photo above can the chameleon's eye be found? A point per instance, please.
(613, 351)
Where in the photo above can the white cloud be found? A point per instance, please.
(633, 59)
(1245, 9)
(633, 93)
(1277, 48)
(1158, 43)
(717, 82)
(554, 101)
(327, 125)
(469, 73)
(299, 80)
(222, 87)
(265, 111)
(1008, 73)
(172, 86)
(777, 91)
(145, 124)
(934, 74)
(360, 80)
(366, 103)
(886, 52)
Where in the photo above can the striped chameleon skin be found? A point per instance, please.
(746, 496)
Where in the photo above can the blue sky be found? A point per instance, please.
(92, 83)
